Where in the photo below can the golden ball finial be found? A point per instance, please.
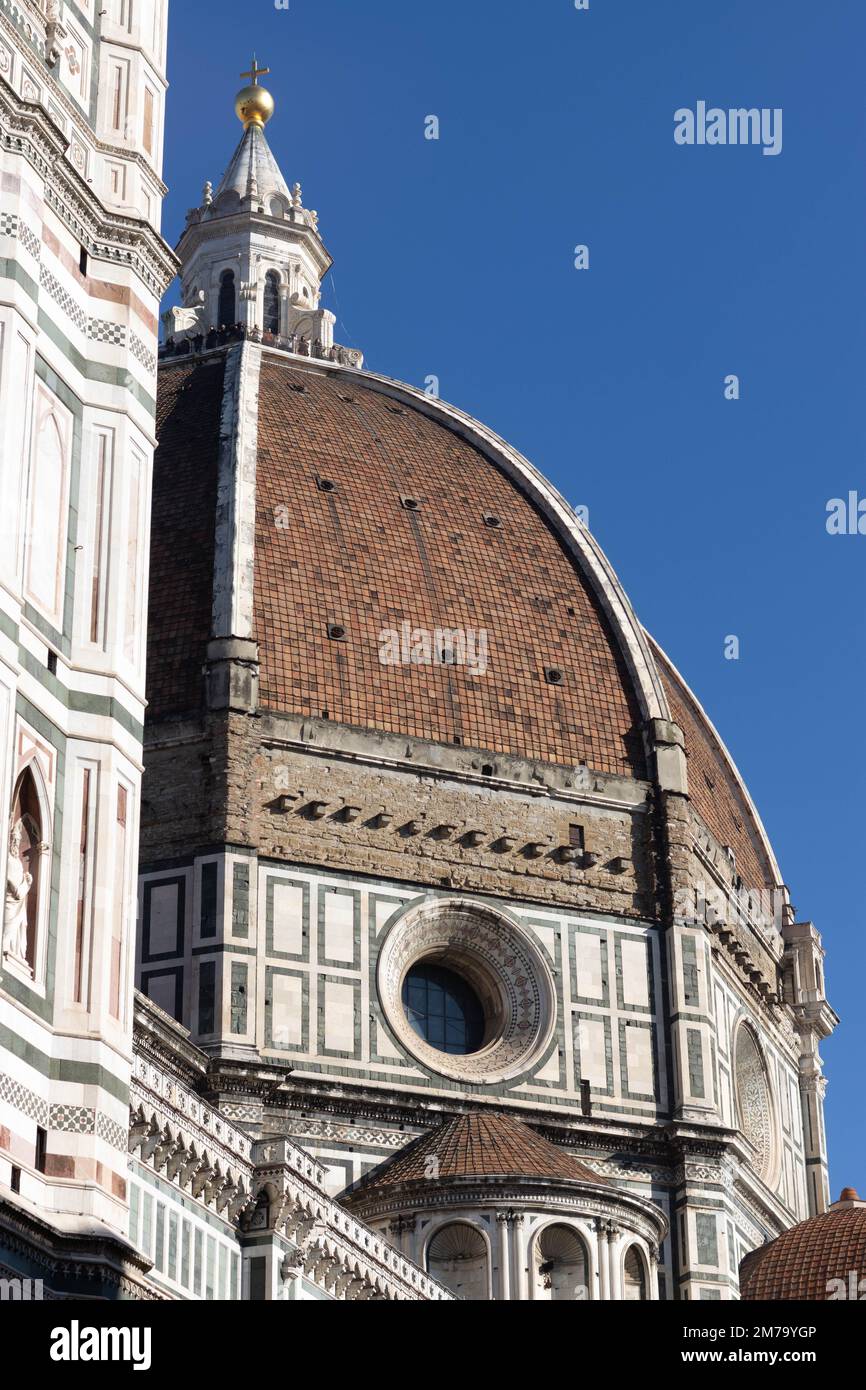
(254, 104)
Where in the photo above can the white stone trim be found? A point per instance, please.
(729, 763)
(234, 549)
(344, 1257)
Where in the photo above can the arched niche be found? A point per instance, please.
(559, 1265)
(27, 870)
(635, 1276)
(271, 303)
(457, 1257)
(227, 302)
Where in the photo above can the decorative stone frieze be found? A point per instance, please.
(341, 1255)
(27, 130)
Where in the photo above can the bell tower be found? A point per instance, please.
(251, 253)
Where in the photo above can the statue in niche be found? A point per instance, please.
(18, 885)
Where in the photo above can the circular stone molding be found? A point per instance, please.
(497, 958)
(754, 1100)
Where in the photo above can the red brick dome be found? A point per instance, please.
(813, 1260)
(419, 527)
(376, 507)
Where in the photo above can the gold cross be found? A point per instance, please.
(256, 73)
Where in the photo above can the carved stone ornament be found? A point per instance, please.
(505, 968)
(754, 1102)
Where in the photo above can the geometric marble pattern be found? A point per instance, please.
(23, 1100)
(141, 353)
(70, 1119)
(62, 297)
(114, 1134)
(29, 241)
(103, 331)
(73, 1119)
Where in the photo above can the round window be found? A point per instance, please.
(443, 1009)
(466, 990)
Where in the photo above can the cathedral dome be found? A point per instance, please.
(433, 832)
(401, 527)
(406, 571)
(414, 575)
(813, 1260)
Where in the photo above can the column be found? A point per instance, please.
(601, 1257)
(653, 1290)
(503, 1222)
(614, 1279)
(401, 1234)
(519, 1249)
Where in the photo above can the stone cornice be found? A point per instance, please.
(100, 1257)
(34, 25)
(27, 130)
(420, 1113)
(641, 1159)
(231, 225)
(162, 1104)
(158, 1036)
(527, 1194)
(408, 754)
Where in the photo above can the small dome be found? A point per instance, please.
(813, 1260)
(478, 1146)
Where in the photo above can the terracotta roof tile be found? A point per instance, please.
(800, 1263)
(356, 557)
(483, 1145)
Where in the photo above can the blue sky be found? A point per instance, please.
(456, 257)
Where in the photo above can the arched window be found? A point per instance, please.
(226, 313)
(457, 1258)
(272, 302)
(634, 1276)
(559, 1266)
(24, 874)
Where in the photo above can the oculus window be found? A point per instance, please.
(443, 1009)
